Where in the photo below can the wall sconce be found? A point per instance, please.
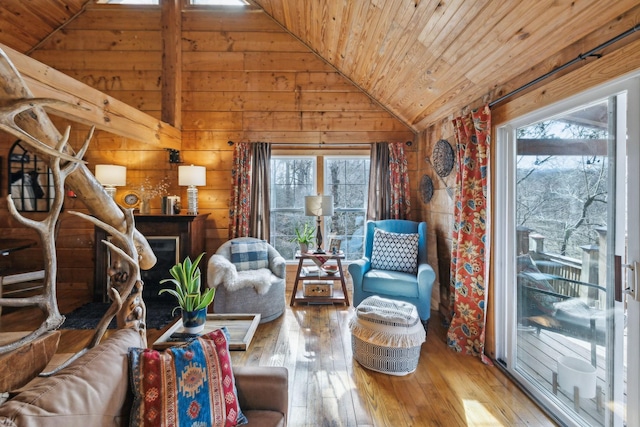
(192, 176)
(111, 176)
(318, 206)
(174, 155)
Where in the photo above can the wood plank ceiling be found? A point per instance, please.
(421, 60)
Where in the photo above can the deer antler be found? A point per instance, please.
(126, 283)
(46, 301)
(8, 123)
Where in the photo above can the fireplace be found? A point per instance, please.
(171, 237)
(167, 251)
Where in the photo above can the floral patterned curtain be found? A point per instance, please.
(468, 257)
(399, 177)
(240, 201)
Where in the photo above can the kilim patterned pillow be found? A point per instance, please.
(395, 251)
(249, 255)
(186, 385)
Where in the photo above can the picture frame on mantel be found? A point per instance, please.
(334, 246)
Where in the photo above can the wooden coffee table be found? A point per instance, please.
(241, 328)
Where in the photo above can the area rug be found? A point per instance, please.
(88, 315)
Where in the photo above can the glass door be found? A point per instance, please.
(562, 191)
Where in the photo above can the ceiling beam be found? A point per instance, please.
(90, 106)
(171, 62)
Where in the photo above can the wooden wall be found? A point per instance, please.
(243, 79)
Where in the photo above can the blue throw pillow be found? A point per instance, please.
(249, 255)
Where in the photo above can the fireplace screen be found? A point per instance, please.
(167, 251)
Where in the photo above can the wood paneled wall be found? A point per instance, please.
(623, 60)
(243, 79)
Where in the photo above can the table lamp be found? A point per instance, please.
(318, 206)
(111, 176)
(192, 176)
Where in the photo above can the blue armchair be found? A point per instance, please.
(414, 288)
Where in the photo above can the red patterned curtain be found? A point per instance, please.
(240, 203)
(468, 257)
(399, 177)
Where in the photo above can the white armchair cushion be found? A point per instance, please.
(395, 251)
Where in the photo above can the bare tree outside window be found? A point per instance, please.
(561, 179)
(293, 178)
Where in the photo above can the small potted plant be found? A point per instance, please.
(191, 300)
(304, 237)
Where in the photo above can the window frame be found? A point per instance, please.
(319, 187)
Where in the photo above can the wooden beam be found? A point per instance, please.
(95, 108)
(171, 62)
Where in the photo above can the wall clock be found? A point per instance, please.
(130, 199)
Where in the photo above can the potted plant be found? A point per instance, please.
(304, 237)
(191, 300)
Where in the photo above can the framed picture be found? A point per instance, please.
(334, 246)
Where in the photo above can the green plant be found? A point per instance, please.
(186, 278)
(304, 235)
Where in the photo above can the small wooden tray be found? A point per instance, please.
(241, 328)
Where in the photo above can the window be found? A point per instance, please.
(347, 180)
(294, 177)
(128, 2)
(219, 2)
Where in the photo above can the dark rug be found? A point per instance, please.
(88, 315)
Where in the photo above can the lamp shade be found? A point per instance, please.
(318, 205)
(111, 175)
(192, 175)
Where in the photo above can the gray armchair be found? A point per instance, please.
(242, 288)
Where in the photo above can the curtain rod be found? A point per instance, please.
(322, 144)
(580, 57)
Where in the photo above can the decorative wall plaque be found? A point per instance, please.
(426, 188)
(442, 158)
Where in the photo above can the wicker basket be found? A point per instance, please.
(387, 335)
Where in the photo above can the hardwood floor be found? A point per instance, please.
(328, 388)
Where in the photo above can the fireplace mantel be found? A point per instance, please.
(189, 229)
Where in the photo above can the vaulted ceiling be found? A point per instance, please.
(422, 60)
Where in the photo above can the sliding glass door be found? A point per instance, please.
(562, 192)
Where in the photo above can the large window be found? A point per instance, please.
(347, 180)
(294, 177)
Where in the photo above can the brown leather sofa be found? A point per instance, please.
(94, 391)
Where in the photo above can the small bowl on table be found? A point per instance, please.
(330, 269)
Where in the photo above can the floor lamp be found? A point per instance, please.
(318, 206)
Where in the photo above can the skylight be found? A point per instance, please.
(192, 2)
(219, 2)
(128, 2)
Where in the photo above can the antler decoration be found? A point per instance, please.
(46, 301)
(31, 123)
(125, 282)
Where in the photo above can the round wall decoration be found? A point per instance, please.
(442, 158)
(426, 188)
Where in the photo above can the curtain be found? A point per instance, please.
(379, 185)
(239, 204)
(260, 204)
(469, 282)
(400, 195)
